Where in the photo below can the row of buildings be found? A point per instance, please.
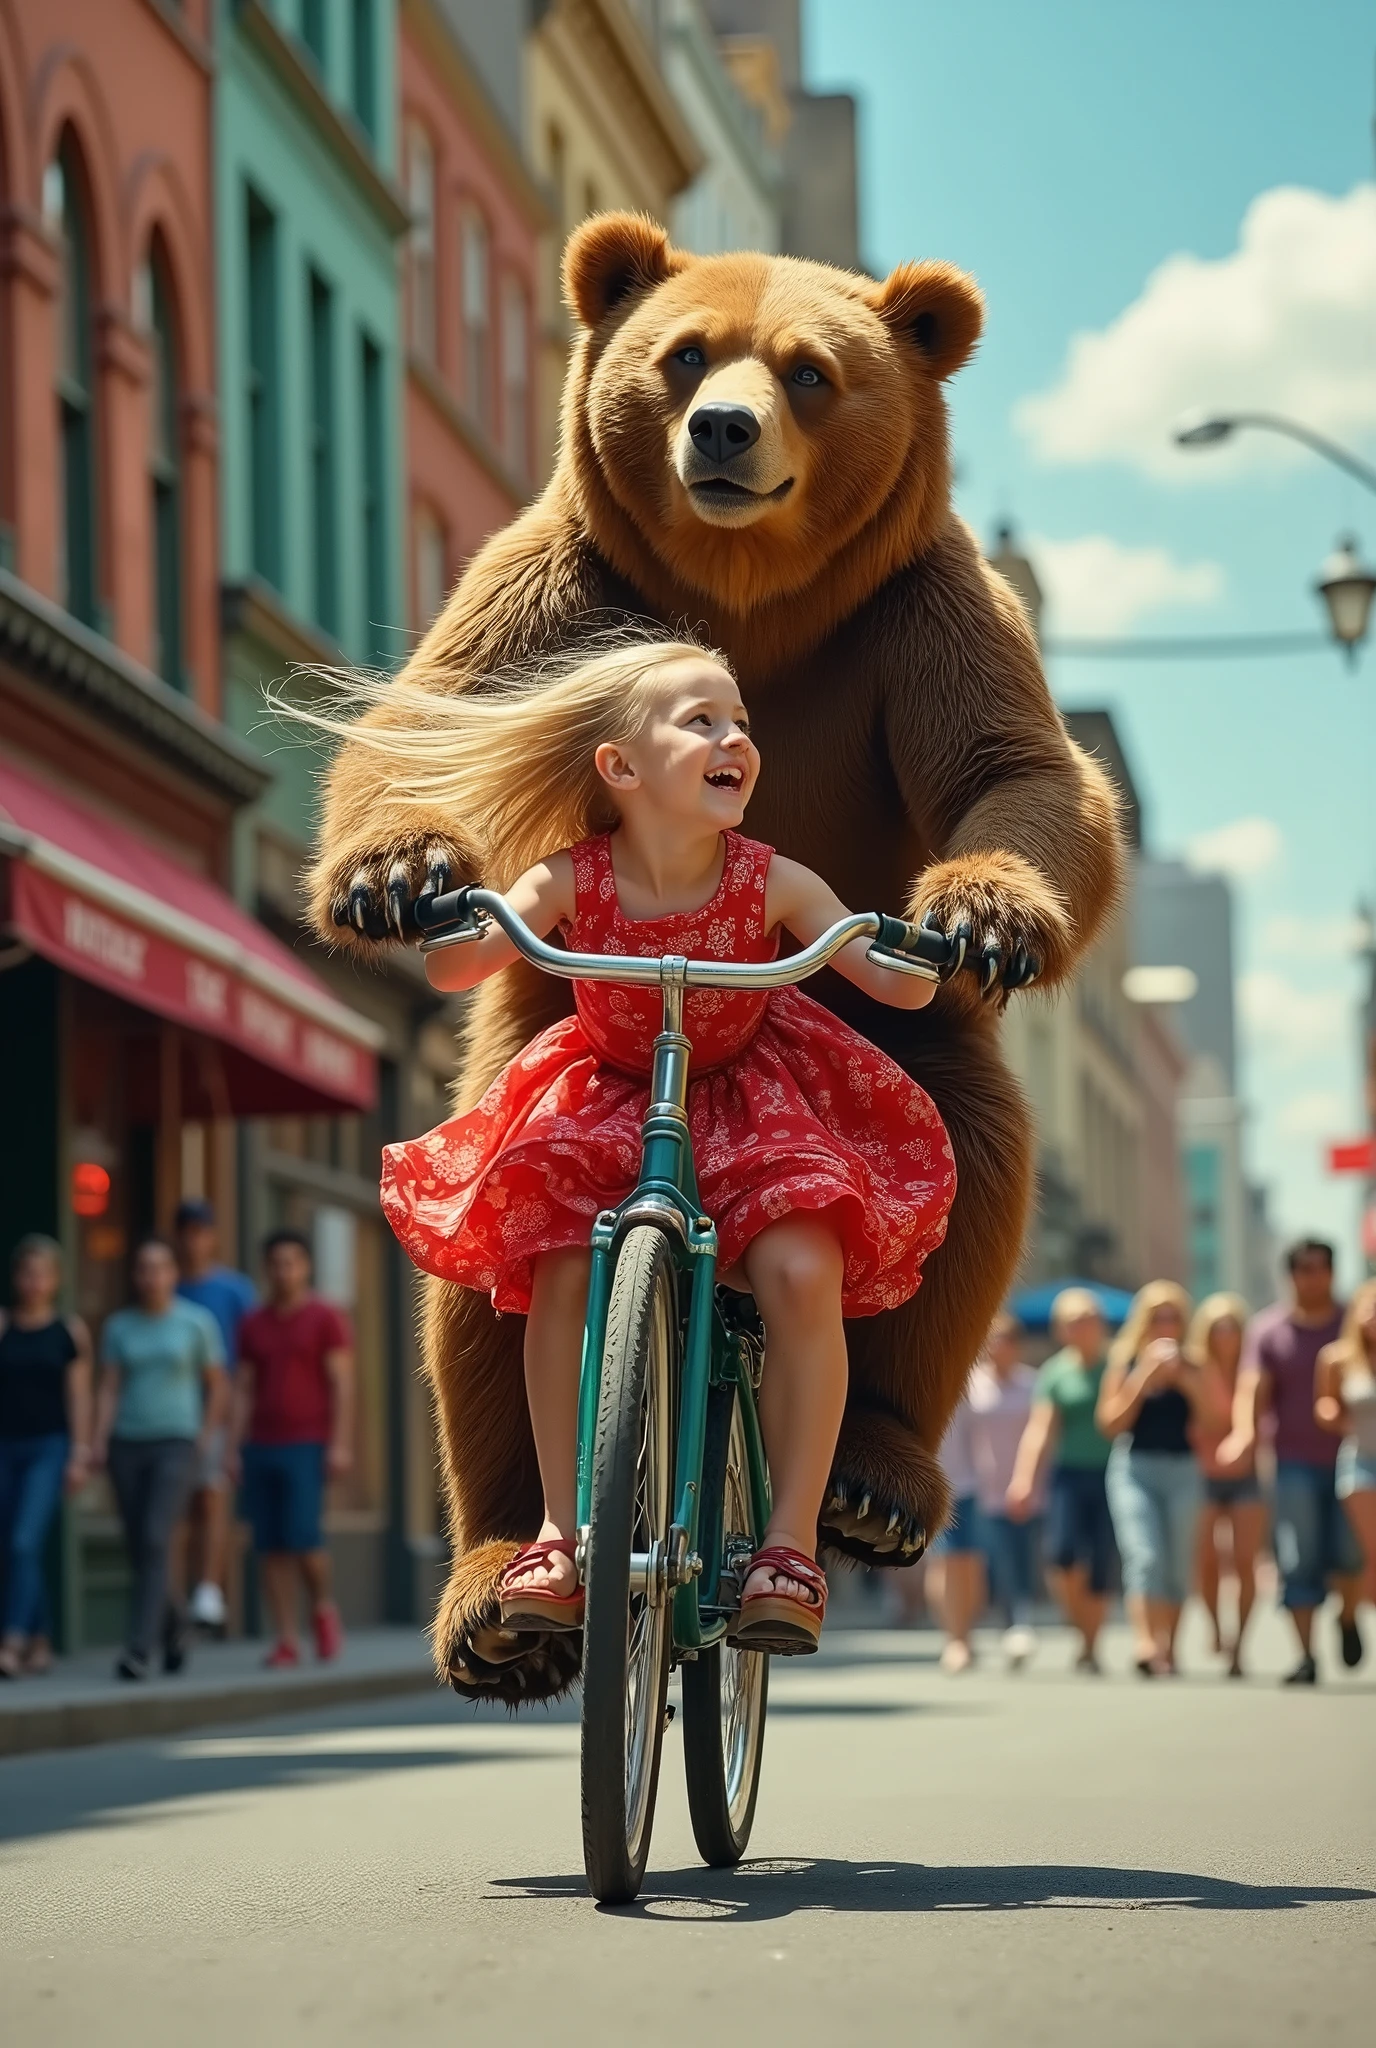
(280, 343)
(1141, 1160)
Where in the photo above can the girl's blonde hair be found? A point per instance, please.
(1156, 1294)
(1213, 1310)
(509, 757)
(1349, 1348)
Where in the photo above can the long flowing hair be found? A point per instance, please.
(1350, 1348)
(1213, 1310)
(511, 757)
(1156, 1294)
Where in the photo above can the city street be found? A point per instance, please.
(1040, 1858)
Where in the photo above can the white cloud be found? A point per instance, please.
(1284, 324)
(1246, 847)
(1096, 586)
(1287, 937)
(1317, 1113)
(1293, 1022)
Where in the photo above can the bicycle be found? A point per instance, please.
(672, 1480)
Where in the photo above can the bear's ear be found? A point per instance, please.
(937, 308)
(611, 256)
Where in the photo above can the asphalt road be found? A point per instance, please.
(1043, 1858)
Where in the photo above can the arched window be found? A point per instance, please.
(64, 204)
(165, 475)
(477, 316)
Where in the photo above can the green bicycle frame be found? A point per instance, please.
(666, 1195)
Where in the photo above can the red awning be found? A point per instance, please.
(101, 903)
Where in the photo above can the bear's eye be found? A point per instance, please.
(808, 376)
(692, 357)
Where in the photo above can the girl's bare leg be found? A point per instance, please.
(794, 1269)
(554, 1347)
(1249, 1532)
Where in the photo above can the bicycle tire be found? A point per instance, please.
(725, 1691)
(627, 1638)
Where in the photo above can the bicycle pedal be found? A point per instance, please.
(669, 1713)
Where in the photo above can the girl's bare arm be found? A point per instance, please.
(540, 897)
(804, 905)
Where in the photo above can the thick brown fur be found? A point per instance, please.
(912, 755)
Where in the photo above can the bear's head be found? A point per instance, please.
(743, 426)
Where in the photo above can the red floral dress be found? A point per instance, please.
(789, 1110)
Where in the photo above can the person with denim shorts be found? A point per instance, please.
(1233, 1507)
(294, 1420)
(1061, 1427)
(1345, 1403)
(1153, 1398)
(1315, 1546)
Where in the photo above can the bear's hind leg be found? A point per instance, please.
(888, 1496)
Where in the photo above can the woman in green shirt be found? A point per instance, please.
(1061, 1426)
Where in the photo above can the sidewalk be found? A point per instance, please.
(83, 1702)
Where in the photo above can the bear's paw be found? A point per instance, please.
(368, 894)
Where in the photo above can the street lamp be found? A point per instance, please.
(1347, 588)
(1206, 430)
(1344, 583)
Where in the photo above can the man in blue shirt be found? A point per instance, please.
(228, 1296)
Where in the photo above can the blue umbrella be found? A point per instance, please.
(1032, 1306)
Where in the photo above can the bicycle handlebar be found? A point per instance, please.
(454, 919)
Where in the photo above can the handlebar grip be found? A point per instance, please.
(437, 913)
(916, 941)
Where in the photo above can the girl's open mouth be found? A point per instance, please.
(726, 778)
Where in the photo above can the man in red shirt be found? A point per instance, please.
(294, 1422)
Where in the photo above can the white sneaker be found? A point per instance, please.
(1018, 1645)
(208, 1605)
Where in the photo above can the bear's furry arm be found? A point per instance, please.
(517, 595)
(1024, 825)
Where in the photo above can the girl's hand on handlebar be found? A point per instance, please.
(540, 897)
(806, 907)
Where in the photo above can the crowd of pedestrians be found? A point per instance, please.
(1159, 1457)
(197, 1388)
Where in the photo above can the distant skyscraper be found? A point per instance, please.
(1186, 920)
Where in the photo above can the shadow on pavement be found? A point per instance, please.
(120, 1784)
(774, 1890)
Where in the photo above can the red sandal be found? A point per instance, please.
(528, 1607)
(789, 1624)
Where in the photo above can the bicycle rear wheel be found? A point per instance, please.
(725, 1691)
(627, 1640)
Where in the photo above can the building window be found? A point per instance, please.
(364, 94)
(164, 468)
(264, 395)
(64, 204)
(477, 318)
(420, 190)
(313, 29)
(515, 376)
(428, 550)
(374, 500)
(322, 454)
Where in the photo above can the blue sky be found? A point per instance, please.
(1171, 206)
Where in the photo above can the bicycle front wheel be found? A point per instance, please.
(725, 1690)
(627, 1640)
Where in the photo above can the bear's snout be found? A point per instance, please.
(721, 431)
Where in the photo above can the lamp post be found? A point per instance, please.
(1346, 585)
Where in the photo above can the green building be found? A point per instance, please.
(309, 223)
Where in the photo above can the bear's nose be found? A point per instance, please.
(721, 431)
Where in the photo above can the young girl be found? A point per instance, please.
(826, 1169)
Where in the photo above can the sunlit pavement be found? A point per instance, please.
(1040, 1858)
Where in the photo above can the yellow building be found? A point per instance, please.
(602, 131)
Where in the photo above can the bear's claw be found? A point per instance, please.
(875, 1530)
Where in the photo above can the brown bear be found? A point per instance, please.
(756, 447)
